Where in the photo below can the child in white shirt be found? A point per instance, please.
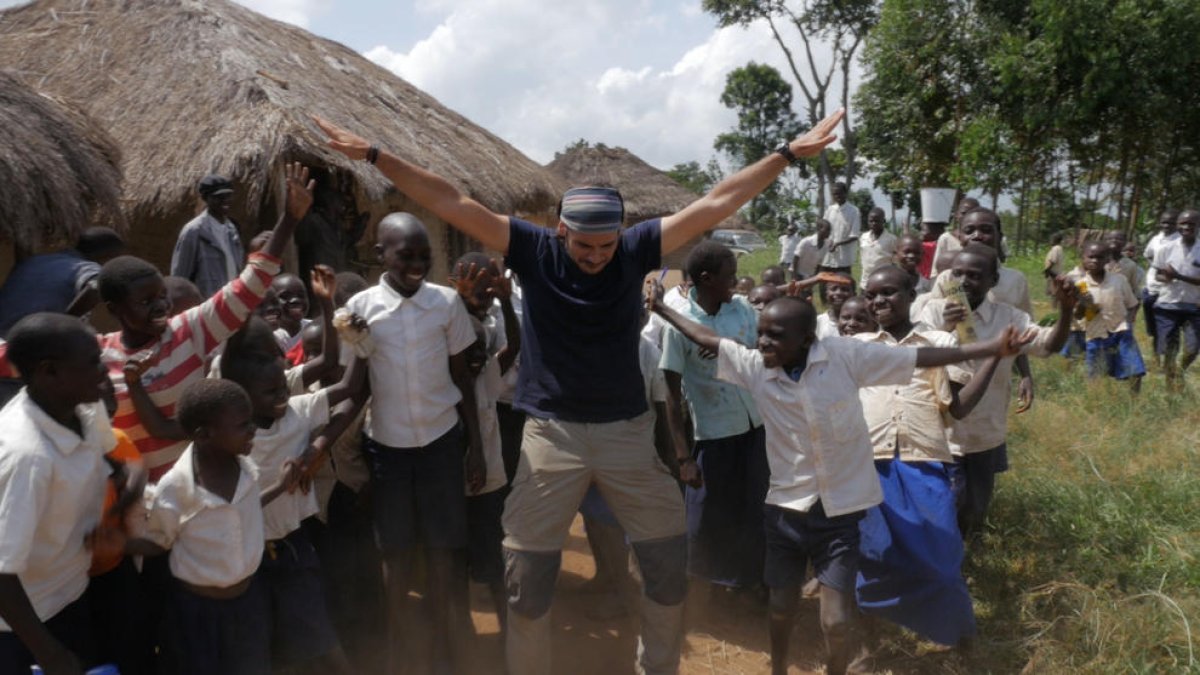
(819, 451)
(1105, 309)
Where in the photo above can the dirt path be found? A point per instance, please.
(725, 636)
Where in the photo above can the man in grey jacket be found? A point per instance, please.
(209, 250)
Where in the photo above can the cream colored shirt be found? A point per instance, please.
(52, 485)
(818, 446)
(910, 420)
(987, 425)
(1054, 260)
(876, 252)
(1114, 298)
(213, 542)
(413, 398)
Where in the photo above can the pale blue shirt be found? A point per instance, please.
(719, 409)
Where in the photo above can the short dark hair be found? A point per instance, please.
(707, 256)
(805, 313)
(205, 400)
(254, 339)
(97, 241)
(983, 251)
(889, 268)
(44, 336)
(248, 367)
(349, 284)
(120, 273)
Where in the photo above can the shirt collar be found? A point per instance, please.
(64, 440)
(186, 464)
(698, 311)
(423, 298)
(986, 311)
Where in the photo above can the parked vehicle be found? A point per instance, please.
(741, 241)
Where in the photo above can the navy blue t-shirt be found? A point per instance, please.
(579, 338)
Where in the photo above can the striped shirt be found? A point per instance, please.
(182, 349)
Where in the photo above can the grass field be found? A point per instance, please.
(1091, 561)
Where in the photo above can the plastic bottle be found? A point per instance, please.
(953, 291)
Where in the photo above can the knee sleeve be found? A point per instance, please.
(529, 578)
(664, 563)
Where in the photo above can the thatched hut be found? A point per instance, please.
(648, 192)
(191, 87)
(58, 172)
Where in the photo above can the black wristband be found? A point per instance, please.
(785, 150)
(373, 154)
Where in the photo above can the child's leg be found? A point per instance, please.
(979, 483)
(118, 619)
(302, 633)
(782, 609)
(485, 557)
(837, 624)
(441, 512)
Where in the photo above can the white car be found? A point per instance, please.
(741, 241)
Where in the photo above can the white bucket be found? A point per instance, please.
(937, 204)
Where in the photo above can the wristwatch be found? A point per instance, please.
(785, 149)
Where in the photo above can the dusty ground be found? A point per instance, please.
(725, 636)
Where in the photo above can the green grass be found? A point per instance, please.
(1091, 559)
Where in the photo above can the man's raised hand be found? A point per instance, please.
(351, 145)
(812, 142)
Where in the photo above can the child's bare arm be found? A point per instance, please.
(16, 610)
(964, 398)
(289, 477)
(353, 381)
(701, 335)
(461, 375)
(319, 448)
(156, 423)
(796, 286)
(689, 472)
(324, 286)
(1025, 386)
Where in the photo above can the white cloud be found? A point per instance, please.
(543, 74)
(297, 12)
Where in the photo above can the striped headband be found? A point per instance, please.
(592, 210)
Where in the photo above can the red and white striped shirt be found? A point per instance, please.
(182, 351)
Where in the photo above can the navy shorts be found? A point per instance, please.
(291, 576)
(419, 494)
(485, 535)
(219, 636)
(795, 538)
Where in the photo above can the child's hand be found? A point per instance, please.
(1167, 273)
(324, 282)
(466, 279)
(689, 473)
(1010, 342)
(299, 190)
(953, 314)
(1066, 293)
(139, 363)
(1024, 395)
(107, 542)
(654, 292)
(476, 470)
(290, 476)
(501, 284)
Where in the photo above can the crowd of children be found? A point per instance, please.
(230, 485)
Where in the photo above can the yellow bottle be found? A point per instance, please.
(1090, 309)
(966, 328)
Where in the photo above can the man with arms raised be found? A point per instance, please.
(581, 384)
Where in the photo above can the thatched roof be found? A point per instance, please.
(189, 87)
(58, 170)
(648, 192)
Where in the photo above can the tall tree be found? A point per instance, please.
(802, 29)
(762, 100)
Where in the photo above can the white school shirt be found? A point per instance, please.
(52, 485)
(413, 398)
(1114, 298)
(947, 243)
(911, 418)
(213, 542)
(826, 326)
(787, 248)
(676, 300)
(1153, 286)
(286, 439)
(488, 385)
(987, 425)
(876, 252)
(809, 255)
(818, 446)
(1186, 261)
(649, 357)
(1054, 260)
(845, 222)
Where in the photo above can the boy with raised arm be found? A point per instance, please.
(581, 384)
(819, 450)
(978, 440)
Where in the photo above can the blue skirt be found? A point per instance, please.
(910, 571)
